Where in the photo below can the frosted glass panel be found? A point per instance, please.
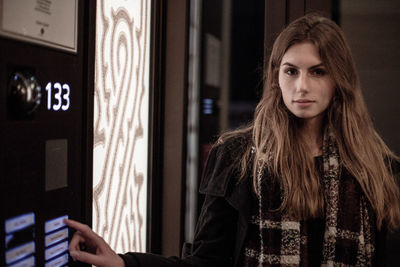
(121, 123)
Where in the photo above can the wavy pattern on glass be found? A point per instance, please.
(121, 123)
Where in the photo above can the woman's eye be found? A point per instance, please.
(318, 72)
(291, 71)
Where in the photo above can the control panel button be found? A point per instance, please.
(56, 237)
(55, 224)
(28, 262)
(20, 252)
(55, 250)
(57, 262)
(19, 222)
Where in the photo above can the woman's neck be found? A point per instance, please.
(311, 132)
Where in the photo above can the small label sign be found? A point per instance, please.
(48, 22)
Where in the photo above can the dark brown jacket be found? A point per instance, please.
(222, 226)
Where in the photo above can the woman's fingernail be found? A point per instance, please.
(73, 254)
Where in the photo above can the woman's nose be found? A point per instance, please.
(302, 83)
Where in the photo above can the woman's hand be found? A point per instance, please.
(86, 246)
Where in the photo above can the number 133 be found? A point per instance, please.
(61, 92)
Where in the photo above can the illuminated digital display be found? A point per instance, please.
(58, 96)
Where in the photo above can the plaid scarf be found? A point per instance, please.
(348, 228)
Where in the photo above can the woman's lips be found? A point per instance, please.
(303, 102)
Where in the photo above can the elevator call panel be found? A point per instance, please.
(46, 77)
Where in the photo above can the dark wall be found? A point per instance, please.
(247, 53)
(373, 32)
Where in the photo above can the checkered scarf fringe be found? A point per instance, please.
(338, 233)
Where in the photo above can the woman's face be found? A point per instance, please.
(307, 88)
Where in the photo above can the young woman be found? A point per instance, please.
(308, 183)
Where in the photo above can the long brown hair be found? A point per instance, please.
(362, 151)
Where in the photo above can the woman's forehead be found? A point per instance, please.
(302, 54)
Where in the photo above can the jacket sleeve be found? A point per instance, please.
(216, 227)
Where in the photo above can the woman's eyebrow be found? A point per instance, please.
(294, 66)
(317, 66)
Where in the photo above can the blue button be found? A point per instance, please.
(20, 252)
(57, 262)
(19, 222)
(29, 262)
(55, 250)
(55, 224)
(56, 237)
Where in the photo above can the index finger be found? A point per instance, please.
(84, 229)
